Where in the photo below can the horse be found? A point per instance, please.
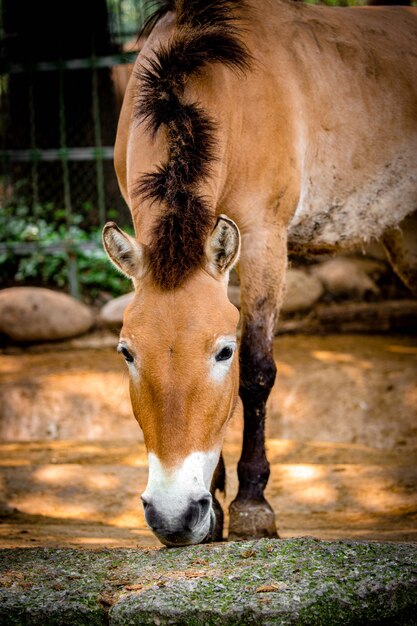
(249, 129)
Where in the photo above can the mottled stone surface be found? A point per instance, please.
(37, 314)
(111, 314)
(299, 581)
(346, 277)
(302, 291)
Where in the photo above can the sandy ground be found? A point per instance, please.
(342, 442)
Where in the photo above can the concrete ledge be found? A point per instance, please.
(298, 581)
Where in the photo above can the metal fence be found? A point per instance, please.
(58, 119)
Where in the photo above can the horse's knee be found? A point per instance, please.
(257, 372)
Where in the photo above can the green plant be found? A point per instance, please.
(34, 244)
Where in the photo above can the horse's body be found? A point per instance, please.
(312, 145)
(357, 110)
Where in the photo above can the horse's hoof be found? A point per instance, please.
(251, 519)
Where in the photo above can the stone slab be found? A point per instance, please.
(38, 314)
(295, 582)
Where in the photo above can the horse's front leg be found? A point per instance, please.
(262, 274)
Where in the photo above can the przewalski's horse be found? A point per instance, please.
(247, 127)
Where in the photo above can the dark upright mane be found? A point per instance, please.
(206, 31)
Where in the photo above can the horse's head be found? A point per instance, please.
(180, 349)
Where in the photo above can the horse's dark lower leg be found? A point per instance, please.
(250, 513)
(218, 483)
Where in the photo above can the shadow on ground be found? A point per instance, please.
(341, 441)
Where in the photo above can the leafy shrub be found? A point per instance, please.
(44, 226)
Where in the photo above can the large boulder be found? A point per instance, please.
(346, 277)
(37, 314)
(233, 293)
(302, 291)
(112, 312)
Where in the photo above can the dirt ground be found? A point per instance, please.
(342, 442)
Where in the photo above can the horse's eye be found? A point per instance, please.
(225, 354)
(128, 357)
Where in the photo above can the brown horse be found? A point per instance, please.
(300, 124)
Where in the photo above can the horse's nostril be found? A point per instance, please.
(204, 504)
(152, 517)
(191, 516)
(196, 512)
(145, 503)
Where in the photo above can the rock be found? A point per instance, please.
(388, 316)
(112, 312)
(345, 277)
(37, 314)
(302, 291)
(233, 292)
(372, 267)
(303, 581)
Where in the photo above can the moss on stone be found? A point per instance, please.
(298, 581)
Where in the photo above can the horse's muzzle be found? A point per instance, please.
(192, 527)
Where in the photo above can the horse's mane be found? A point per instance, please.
(206, 31)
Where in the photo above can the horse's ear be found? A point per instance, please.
(125, 252)
(222, 248)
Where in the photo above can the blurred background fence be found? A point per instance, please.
(63, 70)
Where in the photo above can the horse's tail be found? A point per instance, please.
(206, 31)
